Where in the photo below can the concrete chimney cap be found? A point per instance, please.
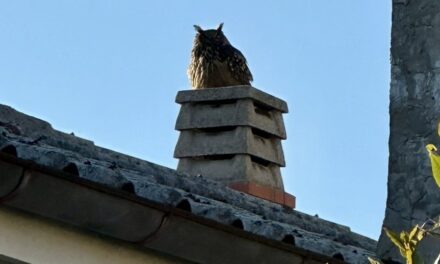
(231, 93)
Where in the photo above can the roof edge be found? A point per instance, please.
(72, 200)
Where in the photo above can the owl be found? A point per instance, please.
(215, 62)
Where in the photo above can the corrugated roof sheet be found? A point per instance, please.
(35, 140)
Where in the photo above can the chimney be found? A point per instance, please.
(233, 135)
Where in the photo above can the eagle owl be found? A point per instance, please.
(215, 62)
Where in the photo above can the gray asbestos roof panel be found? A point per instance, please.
(35, 140)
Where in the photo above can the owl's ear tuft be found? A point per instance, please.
(198, 28)
(220, 27)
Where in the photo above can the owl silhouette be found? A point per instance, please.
(215, 62)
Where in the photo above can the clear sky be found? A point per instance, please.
(109, 72)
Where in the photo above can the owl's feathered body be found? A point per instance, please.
(215, 62)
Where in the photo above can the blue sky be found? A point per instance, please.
(109, 72)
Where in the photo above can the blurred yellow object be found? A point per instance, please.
(435, 162)
(430, 148)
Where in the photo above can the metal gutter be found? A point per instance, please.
(66, 198)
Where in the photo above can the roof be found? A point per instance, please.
(36, 146)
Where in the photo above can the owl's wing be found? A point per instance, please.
(237, 65)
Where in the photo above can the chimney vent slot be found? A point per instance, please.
(262, 109)
(219, 157)
(214, 130)
(260, 161)
(261, 133)
(215, 104)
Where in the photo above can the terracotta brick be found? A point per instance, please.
(279, 196)
(289, 200)
(265, 192)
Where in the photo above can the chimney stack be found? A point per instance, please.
(233, 135)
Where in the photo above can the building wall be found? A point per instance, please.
(413, 196)
(35, 240)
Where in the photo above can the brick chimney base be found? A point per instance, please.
(265, 192)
